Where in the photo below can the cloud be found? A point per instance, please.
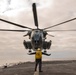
(50, 12)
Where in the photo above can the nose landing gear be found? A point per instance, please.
(45, 51)
(30, 51)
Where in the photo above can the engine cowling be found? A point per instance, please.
(47, 45)
(27, 44)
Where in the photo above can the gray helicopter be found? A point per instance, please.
(37, 36)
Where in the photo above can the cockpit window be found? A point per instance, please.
(36, 37)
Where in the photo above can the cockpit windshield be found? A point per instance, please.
(36, 37)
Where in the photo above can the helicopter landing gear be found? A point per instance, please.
(45, 51)
(30, 51)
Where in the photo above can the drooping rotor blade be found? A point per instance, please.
(50, 35)
(60, 23)
(13, 30)
(14, 24)
(60, 30)
(35, 14)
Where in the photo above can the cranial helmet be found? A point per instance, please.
(38, 49)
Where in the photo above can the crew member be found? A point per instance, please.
(38, 58)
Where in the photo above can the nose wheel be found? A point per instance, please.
(45, 51)
(30, 51)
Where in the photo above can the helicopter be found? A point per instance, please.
(37, 36)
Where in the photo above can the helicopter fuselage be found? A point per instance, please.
(37, 40)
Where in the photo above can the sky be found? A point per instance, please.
(50, 12)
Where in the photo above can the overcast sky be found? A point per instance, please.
(50, 12)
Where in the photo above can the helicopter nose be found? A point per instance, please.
(36, 41)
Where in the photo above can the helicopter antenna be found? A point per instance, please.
(35, 14)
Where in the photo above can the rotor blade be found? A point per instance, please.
(13, 30)
(60, 23)
(60, 30)
(50, 35)
(35, 14)
(14, 24)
